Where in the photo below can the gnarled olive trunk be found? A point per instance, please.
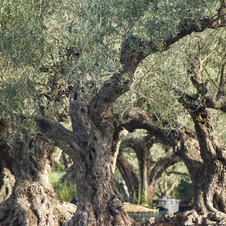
(94, 123)
(205, 161)
(99, 202)
(7, 179)
(89, 145)
(209, 187)
(33, 201)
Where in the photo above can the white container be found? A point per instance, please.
(171, 204)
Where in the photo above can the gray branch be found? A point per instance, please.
(61, 137)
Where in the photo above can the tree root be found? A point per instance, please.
(188, 218)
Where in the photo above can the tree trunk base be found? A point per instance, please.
(33, 204)
(86, 218)
(189, 218)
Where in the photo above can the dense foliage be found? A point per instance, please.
(41, 36)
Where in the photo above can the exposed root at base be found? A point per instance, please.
(189, 218)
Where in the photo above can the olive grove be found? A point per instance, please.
(142, 183)
(68, 69)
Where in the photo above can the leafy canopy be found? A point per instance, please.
(40, 42)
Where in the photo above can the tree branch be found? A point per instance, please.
(167, 133)
(186, 28)
(119, 83)
(133, 51)
(183, 140)
(161, 166)
(222, 82)
(119, 134)
(129, 175)
(204, 90)
(65, 139)
(176, 172)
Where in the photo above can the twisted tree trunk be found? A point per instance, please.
(148, 178)
(204, 156)
(99, 202)
(33, 201)
(209, 189)
(89, 145)
(92, 140)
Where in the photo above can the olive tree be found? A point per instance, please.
(90, 49)
(200, 91)
(142, 184)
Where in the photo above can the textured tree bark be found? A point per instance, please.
(204, 156)
(92, 140)
(210, 175)
(99, 202)
(119, 134)
(33, 201)
(89, 145)
(209, 189)
(7, 178)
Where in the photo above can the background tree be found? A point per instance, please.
(206, 97)
(142, 183)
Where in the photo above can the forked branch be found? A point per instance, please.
(60, 136)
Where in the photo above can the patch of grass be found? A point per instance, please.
(65, 191)
(55, 177)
